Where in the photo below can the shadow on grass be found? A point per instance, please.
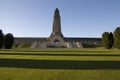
(60, 54)
(59, 64)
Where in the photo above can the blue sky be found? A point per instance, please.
(79, 18)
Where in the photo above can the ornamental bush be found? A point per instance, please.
(1, 39)
(117, 38)
(8, 41)
(107, 39)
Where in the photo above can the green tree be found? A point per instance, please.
(117, 38)
(107, 39)
(1, 39)
(8, 41)
(111, 39)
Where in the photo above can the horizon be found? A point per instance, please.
(80, 18)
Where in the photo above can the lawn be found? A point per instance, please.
(59, 64)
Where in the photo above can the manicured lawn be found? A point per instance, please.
(59, 64)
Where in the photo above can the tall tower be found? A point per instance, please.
(56, 24)
(56, 38)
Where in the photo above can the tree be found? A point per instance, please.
(107, 39)
(111, 39)
(8, 41)
(117, 37)
(1, 39)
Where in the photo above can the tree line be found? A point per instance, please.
(6, 40)
(110, 39)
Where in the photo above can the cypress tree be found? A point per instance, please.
(117, 37)
(111, 39)
(107, 39)
(1, 39)
(8, 41)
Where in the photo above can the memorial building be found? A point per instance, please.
(57, 39)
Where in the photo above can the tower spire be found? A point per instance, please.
(56, 12)
(56, 24)
(56, 38)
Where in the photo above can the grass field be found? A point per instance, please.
(60, 64)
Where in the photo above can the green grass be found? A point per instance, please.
(59, 64)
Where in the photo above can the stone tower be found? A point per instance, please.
(56, 36)
(56, 24)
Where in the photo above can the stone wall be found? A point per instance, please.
(70, 42)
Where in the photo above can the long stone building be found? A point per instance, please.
(56, 38)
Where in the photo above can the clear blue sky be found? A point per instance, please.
(79, 18)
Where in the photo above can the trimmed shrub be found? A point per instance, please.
(107, 39)
(8, 41)
(117, 38)
(111, 39)
(1, 39)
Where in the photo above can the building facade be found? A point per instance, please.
(56, 38)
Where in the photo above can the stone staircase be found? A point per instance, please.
(74, 45)
(34, 44)
(67, 44)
